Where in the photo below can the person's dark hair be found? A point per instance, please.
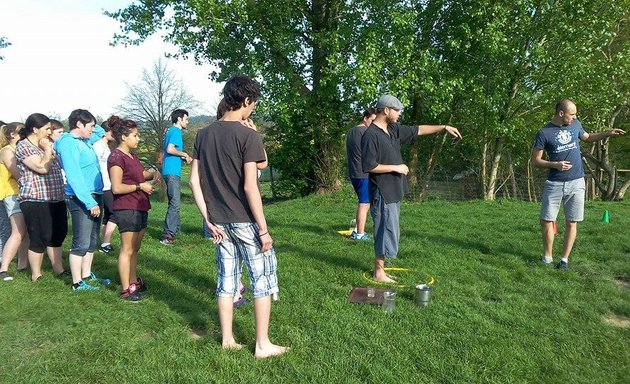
(6, 130)
(56, 124)
(80, 115)
(178, 113)
(237, 89)
(105, 126)
(563, 105)
(369, 112)
(120, 127)
(2, 123)
(35, 120)
(221, 109)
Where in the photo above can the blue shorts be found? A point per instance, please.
(241, 244)
(362, 190)
(386, 218)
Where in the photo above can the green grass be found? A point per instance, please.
(497, 316)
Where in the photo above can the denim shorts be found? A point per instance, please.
(570, 194)
(361, 187)
(12, 205)
(386, 218)
(242, 244)
(130, 220)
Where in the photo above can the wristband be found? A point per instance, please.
(261, 235)
(138, 187)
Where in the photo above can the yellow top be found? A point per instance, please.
(8, 185)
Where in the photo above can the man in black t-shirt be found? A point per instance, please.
(381, 157)
(224, 182)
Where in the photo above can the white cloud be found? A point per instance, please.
(60, 60)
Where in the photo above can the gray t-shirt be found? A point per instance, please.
(222, 149)
(353, 151)
(562, 144)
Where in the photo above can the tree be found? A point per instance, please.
(151, 101)
(493, 68)
(295, 50)
(3, 44)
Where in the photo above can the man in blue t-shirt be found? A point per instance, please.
(172, 172)
(565, 183)
(358, 178)
(382, 159)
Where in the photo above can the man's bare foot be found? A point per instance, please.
(231, 345)
(391, 277)
(384, 278)
(270, 350)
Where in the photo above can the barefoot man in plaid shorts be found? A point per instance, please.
(224, 182)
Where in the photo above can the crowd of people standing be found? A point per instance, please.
(47, 174)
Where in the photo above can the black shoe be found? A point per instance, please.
(562, 265)
(106, 249)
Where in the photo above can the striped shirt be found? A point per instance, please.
(36, 186)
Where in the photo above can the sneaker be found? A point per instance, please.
(5, 276)
(131, 294)
(140, 285)
(356, 236)
(83, 286)
(106, 248)
(167, 241)
(545, 262)
(563, 265)
(94, 279)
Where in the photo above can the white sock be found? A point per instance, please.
(548, 259)
(565, 259)
(104, 244)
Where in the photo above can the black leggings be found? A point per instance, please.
(46, 223)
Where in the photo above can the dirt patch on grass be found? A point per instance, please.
(617, 321)
(197, 333)
(622, 283)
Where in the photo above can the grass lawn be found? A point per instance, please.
(497, 316)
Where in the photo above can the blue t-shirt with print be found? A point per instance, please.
(562, 144)
(172, 164)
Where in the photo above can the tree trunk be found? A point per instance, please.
(622, 191)
(494, 169)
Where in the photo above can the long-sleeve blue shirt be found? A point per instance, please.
(83, 174)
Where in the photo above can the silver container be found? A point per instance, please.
(423, 295)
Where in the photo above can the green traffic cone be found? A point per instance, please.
(605, 217)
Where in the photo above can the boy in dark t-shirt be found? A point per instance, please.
(565, 184)
(224, 182)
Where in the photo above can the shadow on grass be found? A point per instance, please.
(191, 307)
(483, 248)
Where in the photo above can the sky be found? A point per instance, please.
(60, 60)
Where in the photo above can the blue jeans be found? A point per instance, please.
(85, 228)
(173, 192)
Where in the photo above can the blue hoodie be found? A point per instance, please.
(80, 163)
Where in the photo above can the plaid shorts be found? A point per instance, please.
(242, 244)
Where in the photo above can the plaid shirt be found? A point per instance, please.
(36, 186)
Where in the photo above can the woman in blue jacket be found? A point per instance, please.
(84, 190)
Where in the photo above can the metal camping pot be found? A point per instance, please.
(423, 295)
